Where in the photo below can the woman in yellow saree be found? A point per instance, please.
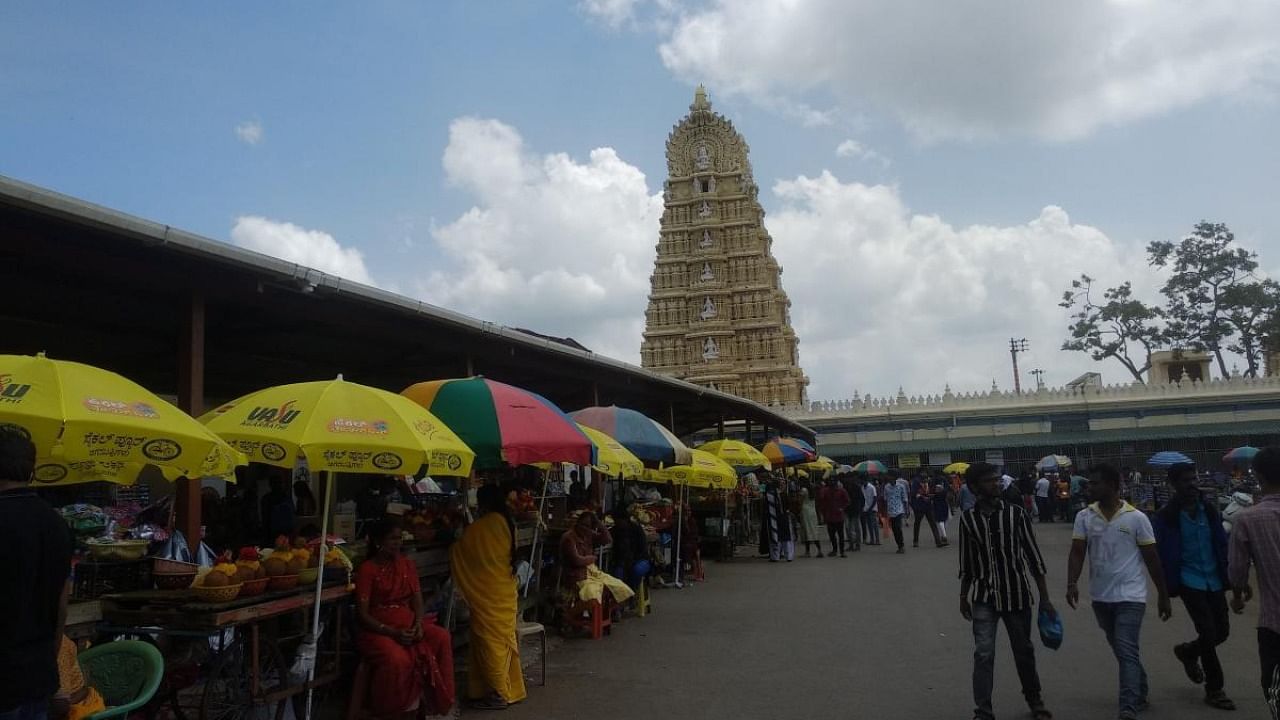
(483, 567)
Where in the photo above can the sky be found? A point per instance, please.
(934, 174)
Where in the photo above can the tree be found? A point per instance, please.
(1252, 310)
(1202, 291)
(1112, 328)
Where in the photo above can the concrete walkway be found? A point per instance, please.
(876, 635)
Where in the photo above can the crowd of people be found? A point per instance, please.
(855, 510)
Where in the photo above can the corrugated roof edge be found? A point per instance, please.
(79, 211)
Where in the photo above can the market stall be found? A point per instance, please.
(339, 427)
(727, 519)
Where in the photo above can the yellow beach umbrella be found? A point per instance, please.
(221, 463)
(737, 454)
(92, 424)
(340, 426)
(822, 464)
(704, 470)
(956, 468)
(612, 458)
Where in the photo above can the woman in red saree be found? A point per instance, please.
(412, 660)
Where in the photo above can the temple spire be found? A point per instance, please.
(700, 101)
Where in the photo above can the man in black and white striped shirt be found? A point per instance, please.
(997, 549)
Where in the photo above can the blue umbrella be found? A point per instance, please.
(1167, 458)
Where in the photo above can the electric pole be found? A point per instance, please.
(1017, 345)
(1039, 378)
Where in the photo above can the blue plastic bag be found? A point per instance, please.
(1050, 630)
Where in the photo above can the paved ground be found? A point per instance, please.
(876, 635)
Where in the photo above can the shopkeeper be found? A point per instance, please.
(630, 549)
(33, 583)
(581, 581)
(411, 658)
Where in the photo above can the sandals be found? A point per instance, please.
(492, 701)
(1190, 663)
(1220, 701)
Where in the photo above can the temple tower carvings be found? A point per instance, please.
(717, 313)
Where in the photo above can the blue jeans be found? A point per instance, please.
(35, 710)
(1122, 622)
(986, 623)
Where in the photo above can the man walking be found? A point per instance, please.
(1255, 542)
(922, 508)
(870, 511)
(832, 500)
(1193, 556)
(997, 549)
(1118, 540)
(895, 500)
(853, 514)
(1044, 513)
(33, 584)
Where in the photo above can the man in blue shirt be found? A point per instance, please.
(1193, 553)
(895, 500)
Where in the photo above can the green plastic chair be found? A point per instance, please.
(126, 673)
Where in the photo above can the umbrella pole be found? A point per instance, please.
(315, 615)
(679, 528)
(534, 558)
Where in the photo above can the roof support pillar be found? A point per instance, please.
(191, 400)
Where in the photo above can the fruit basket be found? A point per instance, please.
(164, 565)
(103, 549)
(280, 583)
(173, 580)
(251, 588)
(219, 594)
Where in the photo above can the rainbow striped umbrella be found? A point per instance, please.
(502, 423)
(783, 452)
(645, 438)
(871, 467)
(1241, 455)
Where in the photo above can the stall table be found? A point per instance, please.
(248, 672)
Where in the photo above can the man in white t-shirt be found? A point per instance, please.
(1119, 542)
(1043, 511)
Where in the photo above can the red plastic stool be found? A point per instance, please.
(697, 574)
(597, 623)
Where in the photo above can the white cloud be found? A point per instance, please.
(311, 248)
(858, 151)
(552, 244)
(250, 132)
(884, 297)
(881, 296)
(977, 68)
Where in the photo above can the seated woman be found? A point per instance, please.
(581, 581)
(76, 699)
(412, 660)
(484, 570)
